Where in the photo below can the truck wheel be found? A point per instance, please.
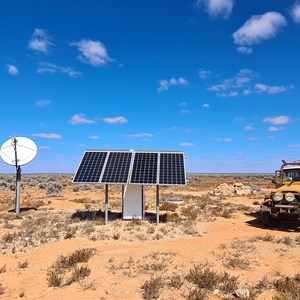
(268, 220)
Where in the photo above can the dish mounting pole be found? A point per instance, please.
(18, 176)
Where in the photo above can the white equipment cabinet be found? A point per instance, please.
(133, 202)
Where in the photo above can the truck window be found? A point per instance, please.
(291, 175)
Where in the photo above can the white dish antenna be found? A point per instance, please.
(18, 151)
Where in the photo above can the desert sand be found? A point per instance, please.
(213, 246)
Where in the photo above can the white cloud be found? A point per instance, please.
(185, 111)
(80, 119)
(295, 12)
(204, 74)
(216, 8)
(43, 103)
(206, 105)
(293, 145)
(263, 88)
(224, 140)
(180, 129)
(227, 140)
(52, 68)
(92, 52)
(253, 138)
(12, 70)
(258, 29)
(183, 104)
(115, 120)
(231, 87)
(239, 119)
(244, 50)
(40, 41)
(44, 147)
(274, 128)
(187, 144)
(141, 135)
(270, 137)
(249, 127)
(164, 85)
(242, 84)
(247, 92)
(278, 120)
(245, 72)
(47, 135)
(94, 137)
(228, 95)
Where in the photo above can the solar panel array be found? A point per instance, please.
(132, 167)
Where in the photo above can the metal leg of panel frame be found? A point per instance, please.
(106, 204)
(157, 204)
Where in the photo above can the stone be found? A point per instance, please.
(242, 293)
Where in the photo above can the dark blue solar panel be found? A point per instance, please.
(90, 167)
(138, 167)
(172, 169)
(144, 169)
(117, 167)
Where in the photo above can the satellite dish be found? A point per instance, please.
(18, 151)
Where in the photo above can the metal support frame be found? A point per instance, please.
(123, 189)
(18, 185)
(157, 204)
(143, 203)
(106, 204)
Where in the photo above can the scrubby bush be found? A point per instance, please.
(54, 188)
(288, 288)
(65, 265)
(42, 185)
(168, 206)
(205, 278)
(152, 288)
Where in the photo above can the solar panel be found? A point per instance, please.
(91, 166)
(144, 169)
(117, 167)
(134, 167)
(172, 169)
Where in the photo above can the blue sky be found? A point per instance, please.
(218, 79)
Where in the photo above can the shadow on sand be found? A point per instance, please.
(23, 209)
(93, 215)
(285, 226)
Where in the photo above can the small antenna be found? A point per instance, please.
(18, 151)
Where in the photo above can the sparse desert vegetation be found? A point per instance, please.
(209, 243)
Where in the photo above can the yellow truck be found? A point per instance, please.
(283, 203)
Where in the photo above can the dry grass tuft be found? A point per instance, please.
(54, 278)
(168, 206)
(205, 278)
(288, 288)
(23, 265)
(152, 288)
(3, 269)
(197, 294)
(79, 256)
(68, 265)
(78, 273)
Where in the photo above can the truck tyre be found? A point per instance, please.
(268, 220)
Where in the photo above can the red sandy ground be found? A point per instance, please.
(268, 259)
